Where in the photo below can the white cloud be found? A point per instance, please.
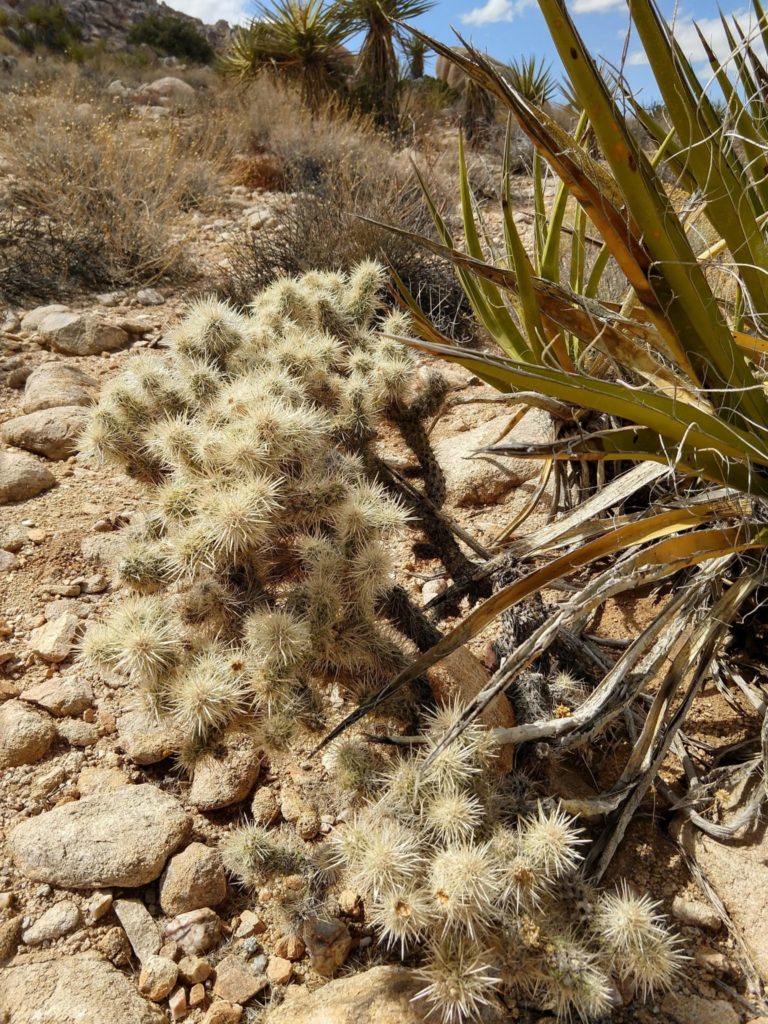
(713, 31)
(211, 11)
(597, 6)
(495, 10)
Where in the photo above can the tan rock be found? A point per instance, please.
(81, 334)
(177, 1004)
(234, 981)
(26, 735)
(52, 433)
(58, 920)
(92, 780)
(60, 695)
(34, 317)
(139, 925)
(118, 838)
(114, 945)
(57, 384)
(328, 944)
(10, 933)
(194, 970)
(157, 978)
(265, 807)
(72, 990)
(53, 642)
(291, 947)
(279, 970)
(228, 773)
(196, 932)
(302, 815)
(483, 479)
(250, 924)
(696, 913)
(98, 906)
(193, 878)
(197, 996)
(222, 1012)
(691, 1009)
(22, 477)
(145, 739)
(78, 733)
(382, 995)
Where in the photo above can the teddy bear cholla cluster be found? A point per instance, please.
(268, 546)
(491, 897)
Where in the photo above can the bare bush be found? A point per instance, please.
(94, 197)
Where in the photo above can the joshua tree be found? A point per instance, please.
(415, 51)
(378, 69)
(301, 42)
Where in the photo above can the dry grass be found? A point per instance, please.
(96, 196)
(340, 169)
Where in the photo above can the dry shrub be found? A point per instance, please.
(95, 197)
(341, 170)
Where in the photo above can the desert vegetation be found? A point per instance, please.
(425, 420)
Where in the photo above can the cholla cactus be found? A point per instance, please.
(267, 551)
(492, 900)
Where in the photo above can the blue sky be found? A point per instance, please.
(511, 28)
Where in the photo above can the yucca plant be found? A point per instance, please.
(668, 381)
(297, 41)
(378, 68)
(533, 79)
(415, 51)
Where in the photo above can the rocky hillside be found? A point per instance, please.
(109, 21)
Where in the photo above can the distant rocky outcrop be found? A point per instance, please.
(109, 21)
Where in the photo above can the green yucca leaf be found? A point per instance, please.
(721, 179)
(690, 308)
(693, 431)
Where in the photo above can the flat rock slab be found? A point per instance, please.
(382, 994)
(57, 384)
(81, 334)
(52, 432)
(72, 990)
(22, 477)
(121, 837)
(485, 479)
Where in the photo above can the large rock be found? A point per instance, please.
(60, 919)
(145, 739)
(72, 990)
(121, 837)
(52, 433)
(32, 319)
(485, 479)
(81, 334)
(171, 88)
(60, 695)
(53, 641)
(227, 774)
(25, 734)
(57, 384)
(193, 878)
(382, 994)
(22, 477)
